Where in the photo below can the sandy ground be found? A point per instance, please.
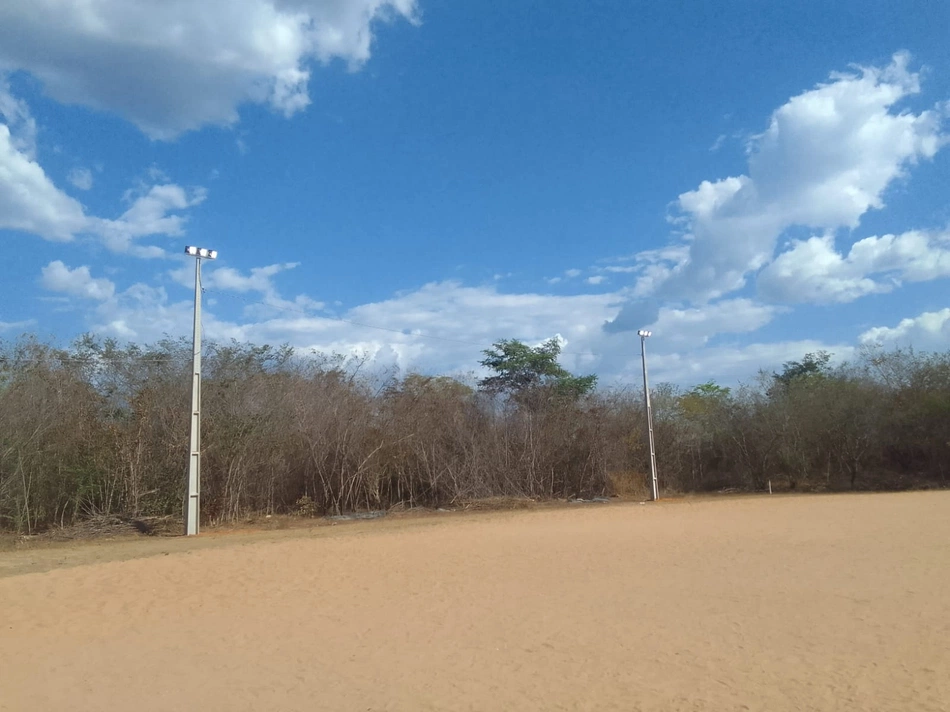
(766, 603)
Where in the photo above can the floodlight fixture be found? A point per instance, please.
(202, 252)
(643, 333)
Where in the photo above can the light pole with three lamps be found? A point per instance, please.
(193, 495)
(644, 334)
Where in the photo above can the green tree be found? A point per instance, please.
(813, 367)
(527, 373)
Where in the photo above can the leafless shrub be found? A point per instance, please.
(98, 433)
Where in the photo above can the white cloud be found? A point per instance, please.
(81, 178)
(14, 325)
(930, 330)
(814, 271)
(78, 282)
(152, 212)
(596, 279)
(731, 363)
(826, 158)
(457, 321)
(177, 65)
(571, 273)
(29, 201)
(652, 266)
(16, 115)
(442, 328)
(143, 313)
(461, 320)
(260, 279)
(694, 327)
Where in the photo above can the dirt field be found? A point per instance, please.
(766, 603)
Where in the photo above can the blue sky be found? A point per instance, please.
(750, 180)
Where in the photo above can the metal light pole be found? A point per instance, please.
(193, 495)
(644, 334)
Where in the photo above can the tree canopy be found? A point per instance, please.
(813, 366)
(524, 372)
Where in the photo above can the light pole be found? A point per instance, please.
(644, 334)
(193, 495)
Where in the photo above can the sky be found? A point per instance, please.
(413, 180)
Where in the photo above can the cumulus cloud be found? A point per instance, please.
(813, 271)
(153, 211)
(733, 362)
(259, 279)
(16, 115)
(930, 330)
(81, 178)
(177, 65)
(78, 282)
(14, 325)
(634, 314)
(693, 327)
(442, 327)
(826, 158)
(29, 201)
(143, 313)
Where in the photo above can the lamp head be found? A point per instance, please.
(201, 252)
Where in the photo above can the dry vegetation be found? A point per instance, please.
(101, 429)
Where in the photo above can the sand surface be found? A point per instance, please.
(765, 603)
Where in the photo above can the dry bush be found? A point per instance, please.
(629, 485)
(101, 430)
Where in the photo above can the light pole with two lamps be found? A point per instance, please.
(644, 334)
(193, 495)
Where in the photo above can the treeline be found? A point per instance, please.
(103, 428)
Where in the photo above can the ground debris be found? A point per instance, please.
(107, 526)
(376, 514)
